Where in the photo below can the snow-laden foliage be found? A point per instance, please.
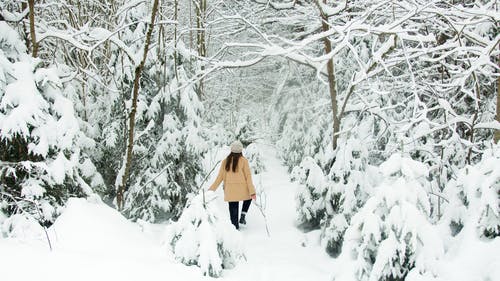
(254, 155)
(167, 127)
(351, 181)
(414, 92)
(475, 197)
(310, 197)
(416, 78)
(292, 141)
(391, 233)
(160, 190)
(302, 129)
(244, 130)
(41, 157)
(22, 226)
(204, 236)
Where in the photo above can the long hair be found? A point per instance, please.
(233, 159)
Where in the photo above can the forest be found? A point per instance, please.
(378, 121)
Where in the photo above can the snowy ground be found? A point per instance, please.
(93, 242)
(282, 256)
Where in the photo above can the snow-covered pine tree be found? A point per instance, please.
(172, 124)
(390, 235)
(244, 130)
(311, 195)
(101, 94)
(474, 197)
(254, 155)
(350, 181)
(291, 140)
(41, 160)
(302, 131)
(205, 237)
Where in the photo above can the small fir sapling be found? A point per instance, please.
(310, 197)
(41, 144)
(474, 197)
(169, 176)
(244, 131)
(291, 143)
(203, 236)
(254, 155)
(350, 185)
(391, 234)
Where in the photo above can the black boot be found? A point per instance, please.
(242, 218)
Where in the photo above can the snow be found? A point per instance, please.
(430, 211)
(27, 106)
(22, 228)
(407, 166)
(205, 237)
(280, 256)
(93, 227)
(391, 234)
(32, 189)
(479, 259)
(469, 260)
(92, 241)
(10, 39)
(58, 168)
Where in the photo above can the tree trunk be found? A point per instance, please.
(130, 145)
(497, 132)
(34, 45)
(331, 79)
(201, 9)
(176, 7)
(474, 117)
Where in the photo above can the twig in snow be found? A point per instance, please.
(262, 205)
(35, 203)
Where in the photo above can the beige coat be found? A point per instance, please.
(238, 186)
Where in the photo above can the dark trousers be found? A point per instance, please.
(234, 208)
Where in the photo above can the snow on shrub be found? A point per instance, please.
(391, 234)
(310, 197)
(350, 182)
(244, 130)
(292, 143)
(40, 138)
(23, 227)
(254, 156)
(475, 197)
(204, 237)
(3, 217)
(176, 135)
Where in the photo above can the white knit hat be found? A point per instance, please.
(236, 147)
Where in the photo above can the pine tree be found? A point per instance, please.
(391, 233)
(474, 201)
(162, 184)
(42, 159)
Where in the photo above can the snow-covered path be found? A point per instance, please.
(94, 242)
(288, 254)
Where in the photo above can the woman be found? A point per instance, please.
(238, 185)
